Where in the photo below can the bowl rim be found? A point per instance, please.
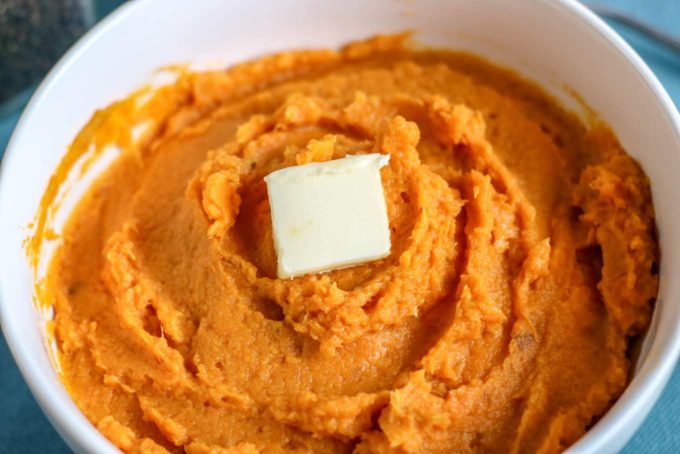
(639, 392)
(62, 418)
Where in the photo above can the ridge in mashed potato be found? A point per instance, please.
(523, 260)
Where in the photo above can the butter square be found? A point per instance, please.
(328, 215)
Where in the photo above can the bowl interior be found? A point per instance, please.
(556, 43)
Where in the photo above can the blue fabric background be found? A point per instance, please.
(24, 429)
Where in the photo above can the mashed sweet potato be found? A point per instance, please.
(523, 260)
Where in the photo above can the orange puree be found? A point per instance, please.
(523, 260)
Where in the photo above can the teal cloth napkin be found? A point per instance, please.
(24, 428)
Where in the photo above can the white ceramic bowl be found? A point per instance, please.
(554, 42)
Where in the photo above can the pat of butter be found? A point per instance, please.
(328, 215)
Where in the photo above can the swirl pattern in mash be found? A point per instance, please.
(523, 257)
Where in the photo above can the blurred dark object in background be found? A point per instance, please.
(34, 34)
